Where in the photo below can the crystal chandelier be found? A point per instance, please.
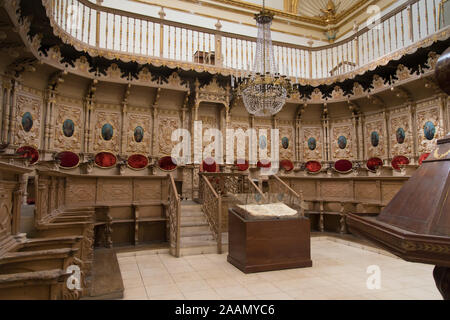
(265, 92)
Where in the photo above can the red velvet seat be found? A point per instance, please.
(242, 165)
(264, 164)
(105, 160)
(373, 163)
(167, 163)
(287, 165)
(423, 157)
(137, 161)
(313, 166)
(209, 165)
(343, 166)
(29, 152)
(68, 159)
(398, 161)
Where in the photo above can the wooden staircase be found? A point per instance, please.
(196, 236)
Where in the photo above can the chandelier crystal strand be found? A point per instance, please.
(265, 92)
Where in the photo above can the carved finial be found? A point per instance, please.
(218, 25)
(161, 13)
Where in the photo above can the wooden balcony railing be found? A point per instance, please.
(174, 217)
(212, 208)
(132, 36)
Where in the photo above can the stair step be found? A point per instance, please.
(196, 237)
(195, 230)
(191, 213)
(198, 243)
(189, 221)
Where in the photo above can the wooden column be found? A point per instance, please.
(6, 114)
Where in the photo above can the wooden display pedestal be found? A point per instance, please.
(267, 245)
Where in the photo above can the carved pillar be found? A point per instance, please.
(24, 187)
(443, 114)
(298, 124)
(48, 119)
(162, 15)
(412, 111)
(155, 150)
(355, 146)
(17, 205)
(12, 116)
(362, 146)
(387, 133)
(2, 110)
(6, 114)
(218, 45)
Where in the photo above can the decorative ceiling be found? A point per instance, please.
(319, 10)
(316, 8)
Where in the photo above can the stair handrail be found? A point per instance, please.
(290, 191)
(174, 216)
(258, 190)
(211, 205)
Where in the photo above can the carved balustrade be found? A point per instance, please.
(174, 216)
(130, 36)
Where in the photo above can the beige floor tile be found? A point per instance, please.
(189, 286)
(158, 280)
(133, 283)
(275, 296)
(262, 288)
(206, 294)
(174, 296)
(233, 292)
(186, 277)
(338, 273)
(135, 294)
(222, 282)
(162, 289)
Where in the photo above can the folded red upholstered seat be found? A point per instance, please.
(68, 159)
(29, 152)
(287, 165)
(105, 160)
(138, 161)
(242, 165)
(399, 160)
(343, 166)
(373, 163)
(423, 157)
(313, 166)
(167, 163)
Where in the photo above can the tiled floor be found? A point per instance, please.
(339, 272)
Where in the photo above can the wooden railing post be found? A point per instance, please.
(162, 15)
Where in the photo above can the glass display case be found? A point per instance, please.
(254, 206)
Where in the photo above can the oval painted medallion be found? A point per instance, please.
(400, 135)
(262, 142)
(138, 134)
(107, 132)
(375, 139)
(285, 142)
(312, 144)
(27, 122)
(68, 128)
(342, 142)
(429, 130)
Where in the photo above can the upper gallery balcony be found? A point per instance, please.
(116, 34)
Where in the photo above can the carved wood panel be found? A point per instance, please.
(81, 191)
(166, 127)
(65, 138)
(28, 113)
